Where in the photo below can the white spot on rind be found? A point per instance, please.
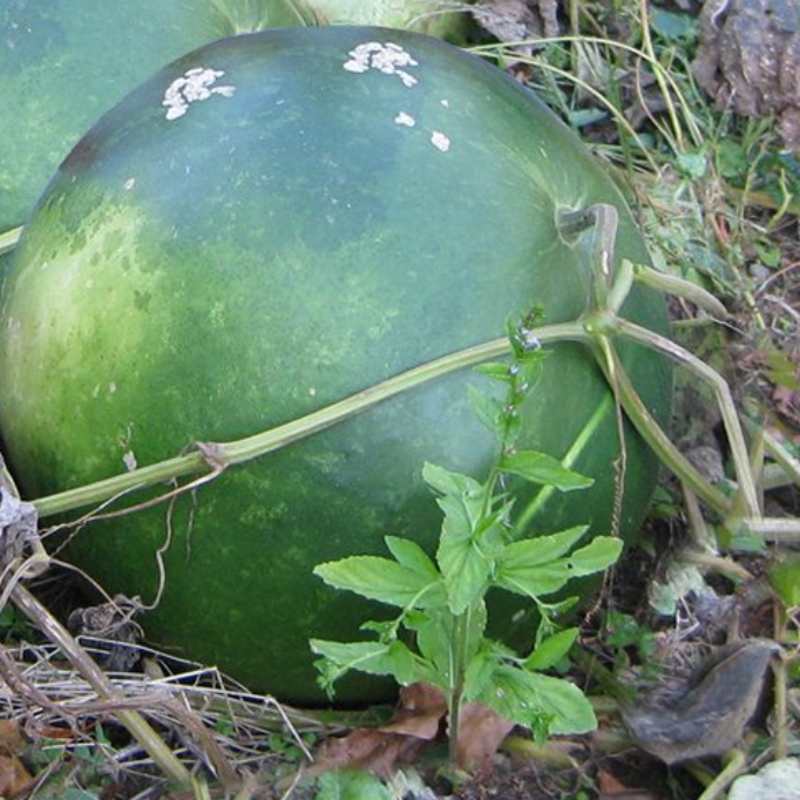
(388, 58)
(440, 141)
(197, 84)
(405, 119)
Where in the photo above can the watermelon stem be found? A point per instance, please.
(236, 452)
(597, 328)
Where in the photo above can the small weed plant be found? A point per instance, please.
(439, 634)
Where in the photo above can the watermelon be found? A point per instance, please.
(272, 223)
(65, 62)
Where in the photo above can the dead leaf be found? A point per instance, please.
(419, 713)
(517, 20)
(482, 732)
(373, 750)
(416, 722)
(14, 778)
(12, 742)
(608, 784)
(749, 57)
(712, 716)
(613, 789)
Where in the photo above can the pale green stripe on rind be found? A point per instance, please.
(9, 240)
(572, 455)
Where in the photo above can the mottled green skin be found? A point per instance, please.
(271, 252)
(63, 63)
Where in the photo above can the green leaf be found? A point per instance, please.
(535, 700)
(570, 708)
(382, 580)
(543, 469)
(434, 638)
(373, 658)
(693, 165)
(785, 579)
(529, 367)
(437, 638)
(351, 785)
(671, 25)
(488, 410)
(599, 554)
(467, 572)
(446, 482)
(481, 667)
(541, 549)
(412, 556)
(533, 568)
(496, 370)
(551, 650)
(534, 582)
(467, 560)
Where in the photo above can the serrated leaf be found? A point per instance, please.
(373, 658)
(533, 567)
(571, 710)
(383, 580)
(532, 699)
(350, 784)
(535, 582)
(496, 370)
(551, 650)
(466, 571)
(437, 636)
(412, 556)
(446, 482)
(481, 667)
(543, 469)
(479, 674)
(385, 629)
(467, 558)
(559, 607)
(433, 639)
(599, 554)
(488, 410)
(542, 549)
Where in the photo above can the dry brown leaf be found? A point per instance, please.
(711, 716)
(14, 778)
(372, 750)
(609, 785)
(419, 713)
(11, 740)
(482, 732)
(416, 722)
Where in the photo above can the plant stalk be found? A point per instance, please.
(455, 696)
